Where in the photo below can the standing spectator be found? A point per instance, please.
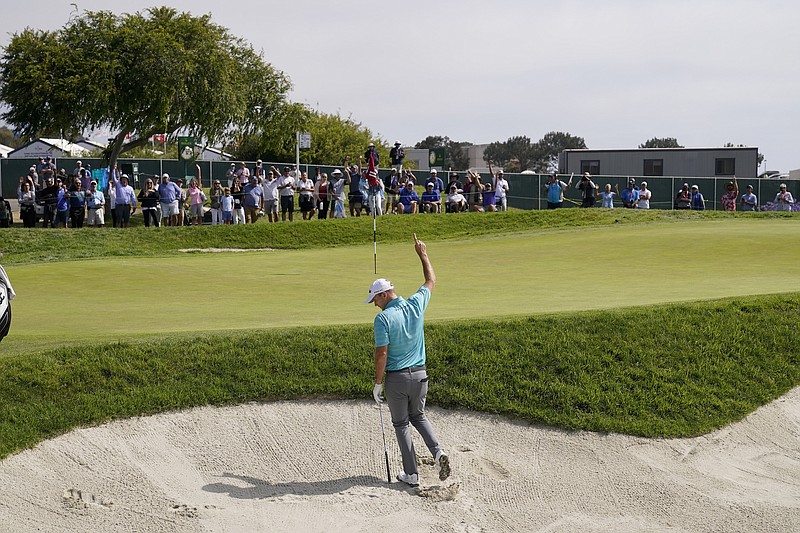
(196, 198)
(392, 188)
(749, 201)
(698, 202)
(728, 200)
(337, 194)
(438, 184)
(148, 200)
(453, 182)
(356, 199)
(230, 173)
(396, 154)
(683, 200)
(488, 203)
(607, 196)
(253, 200)
(48, 196)
(408, 200)
(784, 199)
(86, 179)
(215, 195)
(169, 195)
(95, 205)
(588, 190)
(258, 172)
(500, 188)
(243, 173)
(48, 170)
(286, 192)
(237, 191)
(62, 205)
(644, 196)
(270, 187)
(26, 195)
(77, 204)
(6, 216)
(126, 200)
(227, 206)
(306, 199)
(371, 153)
(78, 168)
(431, 200)
(182, 219)
(34, 178)
(630, 196)
(473, 192)
(456, 202)
(321, 194)
(555, 191)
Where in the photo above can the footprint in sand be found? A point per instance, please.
(78, 499)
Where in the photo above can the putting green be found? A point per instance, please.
(581, 269)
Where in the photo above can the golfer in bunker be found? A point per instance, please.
(400, 354)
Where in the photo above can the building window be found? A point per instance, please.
(653, 167)
(592, 166)
(725, 166)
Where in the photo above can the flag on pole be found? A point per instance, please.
(372, 172)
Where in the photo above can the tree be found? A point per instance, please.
(666, 142)
(514, 155)
(760, 158)
(457, 157)
(139, 74)
(8, 138)
(551, 145)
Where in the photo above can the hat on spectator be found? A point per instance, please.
(95, 183)
(695, 187)
(32, 168)
(644, 184)
(78, 162)
(434, 171)
(233, 164)
(124, 176)
(165, 175)
(748, 186)
(397, 143)
(259, 161)
(371, 144)
(336, 172)
(378, 286)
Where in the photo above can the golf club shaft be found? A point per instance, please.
(385, 447)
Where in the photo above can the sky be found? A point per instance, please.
(616, 73)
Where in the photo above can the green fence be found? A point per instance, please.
(526, 190)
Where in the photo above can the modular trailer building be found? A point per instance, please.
(689, 162)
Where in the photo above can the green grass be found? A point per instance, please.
(503, 333)
(676, 370)
(22, 245)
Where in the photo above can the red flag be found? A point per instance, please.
(372, 172)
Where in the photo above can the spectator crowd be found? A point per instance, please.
(244, 195)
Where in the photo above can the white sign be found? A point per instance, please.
(305, 140)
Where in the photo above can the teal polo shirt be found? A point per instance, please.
(401, 327)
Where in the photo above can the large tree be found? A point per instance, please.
(666, 142)
(551, 145)
(456, 151)
(138, 74)
(514, 155)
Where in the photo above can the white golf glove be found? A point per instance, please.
(376, 393)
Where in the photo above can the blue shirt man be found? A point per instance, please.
(438, 184)
(400, 354)
(431, 199)
(168, 191)
(629, 196)
(408, 199)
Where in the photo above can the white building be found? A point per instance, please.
(5, 150)
(48, 147)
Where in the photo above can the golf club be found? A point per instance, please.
(385, 447)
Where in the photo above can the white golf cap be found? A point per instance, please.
(165, 175)
(124, 176)
(434, 171)
(378, 286)
(336, 172)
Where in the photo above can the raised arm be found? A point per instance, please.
(427, 268)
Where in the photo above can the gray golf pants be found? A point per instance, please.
(405, 392)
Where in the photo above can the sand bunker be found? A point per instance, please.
(319, 466)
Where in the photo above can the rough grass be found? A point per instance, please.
(676, 370)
